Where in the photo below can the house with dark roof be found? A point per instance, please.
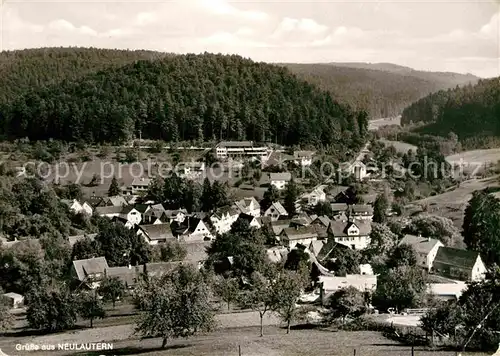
(131, 215)
(304, 235)
(362, 211)
(153, 215)
(280, 180)
(354, 234)
(196, 252)
(192, 229)
(116, 200)
(109, 211)
(462, 265)
(338, 208)
(278, 226)
(90, 272)
(425, 248)
(252, 220)
(155, 234)
(223, 218)
(128, 275)
(276, 211)
(178, 215)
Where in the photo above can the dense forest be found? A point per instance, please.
(472, 112)
(383, 90)
(184, 97)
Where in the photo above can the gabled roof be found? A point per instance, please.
(246, 217)
(157, 231)
(280, 209)
(339, 228)
(90, 266)
(142, 182)
(116, 200)
(128, 275)
(279, 225)
(141, 208)
(105, 210)
(244, 204)
(127, 209)
(339, 207)
(362, 209)
(462, 259)
(285, 176)
(277, 254)
(420, 244)
(322, 220)
(229, 209)
(300, 232)
(158, 207)
(326, 249)
(74, 239)
(157, 269)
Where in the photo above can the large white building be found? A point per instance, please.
(234, 149)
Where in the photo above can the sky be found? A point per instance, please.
(457, 36)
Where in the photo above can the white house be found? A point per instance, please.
(171, 216)
(353, 234)
(450, 291)
(276, 211)
(192, 170)
(361, 211)
(131, 215)
(139, 185)
(316, 196)
(303, 158)
(194, 230)
(223, 219)
(304, 235)
(109, 211)
(252, 220)
(15, 300)
(462, 265)
(248, 206)
(90, 271)
(235, 149)
(362, 282)
(358, 170)
(425, 248)
(77, 207)
(156, 233)
(280, 180)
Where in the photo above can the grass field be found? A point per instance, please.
(377, 123)
(478, 160)
(400, 146)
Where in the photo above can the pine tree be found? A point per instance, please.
(114, 188)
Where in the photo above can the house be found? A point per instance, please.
(280, 180)
(279, 225)
(238, 149)
(90, 271)
(130, 215)
(76, 238)
(116, 200)
(450, 291)
(169, 216)
(109, 211)
(192, 170)
(155, 233)
(192, 230)
(303, 158)
(425, 248)
(128, 275)
(357, 169)
(279, 159)
(252, 220)
(304, 235)
(276, 211)
(223, 218)
(153, 215)
(277, 254)
(362, 282)
(142, 209)
(459, 264)
(248, 206)
(361, 211)
(78, 208)
(14, 300)
(139, 185)
(321, 224)
(338, 208)
(353, 234)
(302, 219)
(316, 196)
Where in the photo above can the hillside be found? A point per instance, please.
(188, 97)
(472, 112)
(381, 89)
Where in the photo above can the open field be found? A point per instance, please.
(475, 160)
(400, 146)
(374, 125)
(452, 204)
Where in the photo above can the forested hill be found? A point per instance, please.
(185, 97)
(472, 111)
(382, 89)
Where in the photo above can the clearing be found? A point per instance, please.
(400, 146)
(374, 125)
(478, 160)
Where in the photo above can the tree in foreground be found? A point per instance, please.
(227, 289)
(90, 307)
(51, 309)
(6, 318)
(111, 289)
(114, 188)
(177, 305)
(380, 209)
(287, 289)
(345, 302)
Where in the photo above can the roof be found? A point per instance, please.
(229, 209)
(157, 231)
(141, 208)
(280, 209)
(244, 204)
(74, 239)
(246, 217)
(277, 254)
(278, 158)
(159, 268)
(13, 295)
(339, 207)
(455, 257)
(90, 266)
(286, 176)
(358, 209)
(143, 182)
(339, 228)
(358, 281)
(316, 246)
(447, 289)
(116, 200)
(322, 220)
(305, 154)
(420, 244)
(300, 232)
(238, 144)
(128, 275)
(158, 207)
(326, 249)
(104, 210)
(279, 225)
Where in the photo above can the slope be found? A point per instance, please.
(383, 90)
(188, 97)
